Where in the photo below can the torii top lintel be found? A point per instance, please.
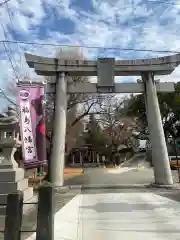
(49, 66)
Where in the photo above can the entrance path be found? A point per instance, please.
(118, 213)
(124, 175)
(127, 214)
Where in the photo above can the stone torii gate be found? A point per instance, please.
(106, 69)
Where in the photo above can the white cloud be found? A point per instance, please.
(22, 14)
(21, 23)
(118, 24)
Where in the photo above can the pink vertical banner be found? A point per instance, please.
(32, 125)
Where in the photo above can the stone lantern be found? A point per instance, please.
(11, 176)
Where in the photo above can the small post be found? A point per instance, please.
(97, 159)
(45, 217)
(73, 159)
(13, 219)
(41, 171)
(80, 156)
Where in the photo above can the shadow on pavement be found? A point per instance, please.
(77, 180)
(173, 195)
(122, 207)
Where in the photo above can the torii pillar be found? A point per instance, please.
(160, 158)
(105, 69)
(59, 132)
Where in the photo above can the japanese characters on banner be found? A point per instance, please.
(32, 125)
(27, 134)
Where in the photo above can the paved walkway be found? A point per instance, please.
(126, 215)
(124, 175)
(134, 213)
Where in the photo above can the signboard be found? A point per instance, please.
(32, 125)
(105, 74)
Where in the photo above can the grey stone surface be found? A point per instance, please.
(58, 141)
(11, 175)
(28, 193)
(8, 187)
(13, 180)
(162, 171)
(49, 66)
(119, 87)
(32, 59)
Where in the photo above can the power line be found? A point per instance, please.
(163, 2)
(14, 70)
(13, 31)
(3, 3)
(6, 97)
(88, 47)
(9, 53)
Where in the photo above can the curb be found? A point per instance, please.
(117, 186)
(124, 186)
(63, 189)
(107, 186)
(160, 186)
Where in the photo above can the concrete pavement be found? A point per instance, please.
(125, 175)
(120, 215)
(112, 175)
(137, 159)
(136, 171)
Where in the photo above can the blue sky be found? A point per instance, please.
(139, 24)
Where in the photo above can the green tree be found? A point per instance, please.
(169, 106)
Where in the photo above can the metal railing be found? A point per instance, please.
(45, 215)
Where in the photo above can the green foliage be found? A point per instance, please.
(169, 106)
(136, 108)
